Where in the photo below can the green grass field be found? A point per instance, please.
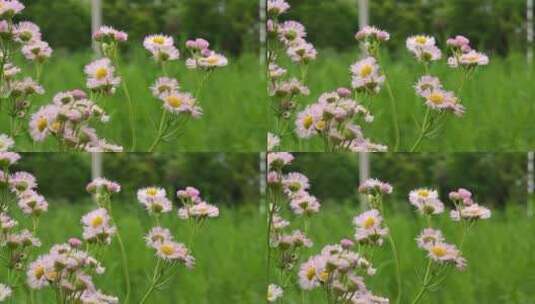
(233, 101)
(228, 255)
(499, 104)
(499, 253)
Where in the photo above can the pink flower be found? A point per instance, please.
(290, 31)
(424, 48)
(37, 51)
(277, 7)
(277, 160)
(310, 121)
(98, 227)
(101, 183)
(374, 185)
(427, 84)
(164, 85)
(22, 181)
(372, 33)
(198, 44)
(428, 237)
(172, 251)
(471, 212)
(304, 204)
(368, 228)
(6, 142)
(8, 159)
(426, 201)
(301, 51)
(42, 122)
(101, 76)
(366, 75)
(294, 183)
(9, 8)
(27, 32)
(108, 34)
(460, 43)
(178, 103)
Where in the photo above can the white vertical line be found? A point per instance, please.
(263, 182)
(364, 13)
(529, 31)
(531, 182)
(364, 174)
(96, 21)
(262, 31)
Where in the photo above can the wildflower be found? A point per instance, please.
(472, 212)
(104, 184)
(158, 205)
(429, 237)
(290, 31)
(9, 8)
(22, 181)
(277, 160)
(172, 251)
(424, 48)
(427, 201)
(374, 185)
(157, 235)
(310, 121)
(163, 86)
(27, 32)
(42, 122)
(41, 272)
(32, 203)
(310, 272)
(294, 183)
(462, 195)
(10, 70)
(213, 60)
(296, 239)
(198, 44)
(6, 143)
(277, 7)
(366, 75)
(274, 293)
(5, 292)
(108, 34)
(471, 59)
(439, 99)
(97, 226)
(23, 239)
(6, 223)
(368, 228)
(198, 211)
(459, 43)
(37, 51)
(177, 103)
(279, 223)
(273, 141)
(275, 71)
(92, 296)
(301, 51)
(372, 33)
(427, 84)
(191, 194)
(152, 42)
(149, 194)
(27, 87)
(304, 203)
(101, 76)
(8, 159)
(292, 87)
(445, 253)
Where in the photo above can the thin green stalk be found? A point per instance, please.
(125, 268)
(160, 131)
(154, 281)
(398, 268)
(394, 115)
(131, 117)
(423, 131)
(424, 287)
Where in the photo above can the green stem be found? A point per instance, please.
(153, 284)
(160, 131)
(398, 268)
(131, 117)
(125, 268)
(394, 115)
(424, 287)
(422, 132)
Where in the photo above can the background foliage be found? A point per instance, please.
(229, 24)
(228, 179)
(495, 179)
(496, 25)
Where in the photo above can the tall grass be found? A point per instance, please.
(499, 254)
(499, 104)
(233, 101)
(227, 252)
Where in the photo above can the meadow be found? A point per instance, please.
(499, 103)
(499, 253)
(228, 254)
(233, 101)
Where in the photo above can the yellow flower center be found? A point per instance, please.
(97, 221)
(471, 58)
(308, 121)
(42, 123)
(101, 73)
(311, 272)
(366, 70)
(368, 223)
(320, 125)
(324, 276)
(421, 39)
(39, 272)
(159, 39)
(423, 193)
(152, 191)
(55, 126)
(174, 101)
(212, 60)
(438, 251)
(167, 249)
(436, 97)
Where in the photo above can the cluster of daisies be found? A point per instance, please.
(286, 244)
(429, 87)
(169, 252)
(181, 105)
(17, 91)
(69, 120)
(288, 37)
